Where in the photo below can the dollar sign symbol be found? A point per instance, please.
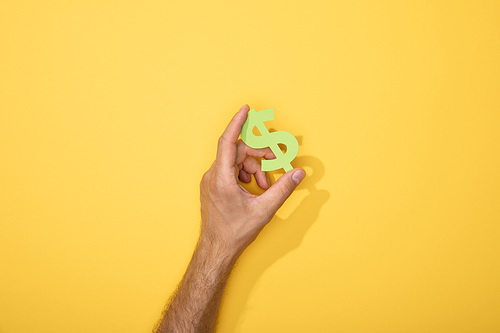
(270, 140)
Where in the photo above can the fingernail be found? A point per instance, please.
(298, 176)
(244, 106)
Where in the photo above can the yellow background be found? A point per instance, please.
(110, 114)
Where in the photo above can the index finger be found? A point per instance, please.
(226, 149)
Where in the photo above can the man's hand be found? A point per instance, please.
(231, 216)
(231, 219)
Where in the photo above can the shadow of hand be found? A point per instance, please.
(278, 238)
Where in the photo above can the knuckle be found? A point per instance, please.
(283, 193)
(205, 177)
(287, 189)
(204, 180)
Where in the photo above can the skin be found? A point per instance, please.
(232, 218)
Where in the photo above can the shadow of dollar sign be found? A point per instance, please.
(271, 140)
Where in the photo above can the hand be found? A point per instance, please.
(231, 216)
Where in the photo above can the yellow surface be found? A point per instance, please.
(110, 114)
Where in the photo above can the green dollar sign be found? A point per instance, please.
(270, 140)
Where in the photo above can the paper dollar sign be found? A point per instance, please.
(270, 140)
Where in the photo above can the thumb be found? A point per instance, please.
(276, 195)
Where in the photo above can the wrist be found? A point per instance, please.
(217, 249)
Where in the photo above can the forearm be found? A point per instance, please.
(195, 306)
